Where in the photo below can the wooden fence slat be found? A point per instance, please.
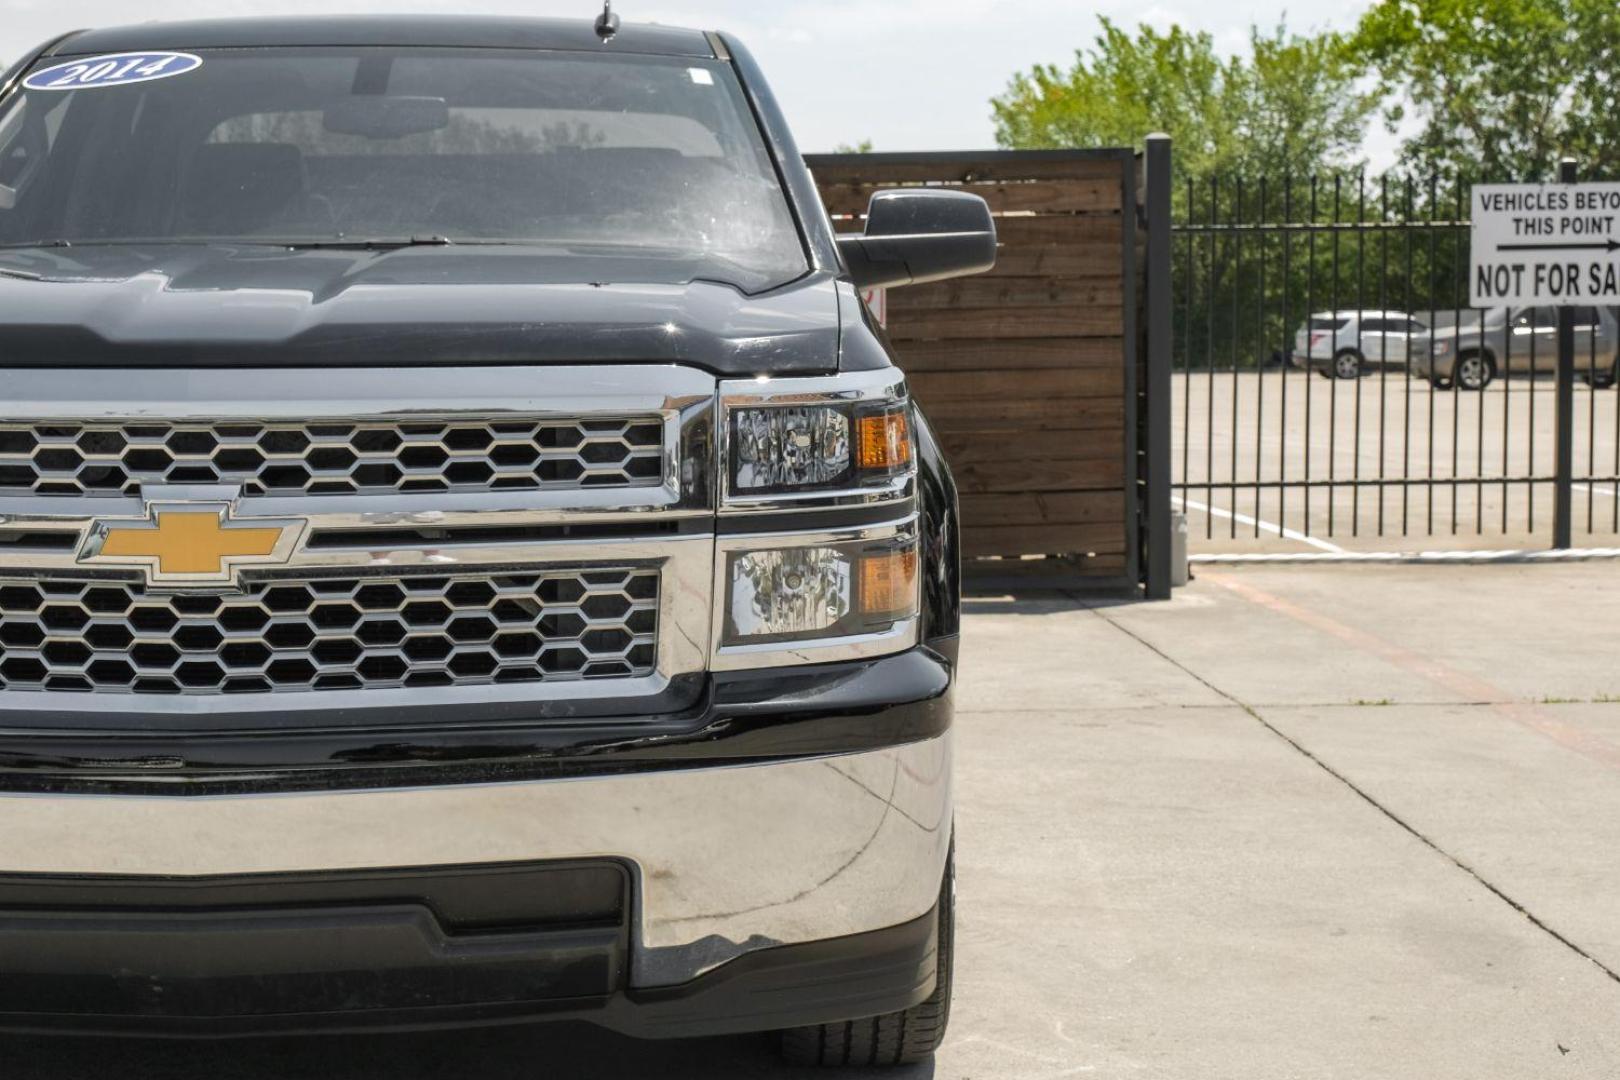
(1078, 474)
(1021, 353)
(1041, 539)
(1107, 418)
(966, 447)
(1077, 261)
(934, 387)
(1044, 508)
(874, 168)
(1016, 573)
(1099, 230)
(1009, 291)
(997, 322)
(1099, 195)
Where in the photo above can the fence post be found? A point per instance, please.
(1158, 367)
(1564, 497)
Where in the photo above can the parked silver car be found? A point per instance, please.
(1344, 344)
(1471, 351)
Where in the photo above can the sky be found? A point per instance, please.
(906, 74)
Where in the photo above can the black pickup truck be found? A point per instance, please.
(466, 553)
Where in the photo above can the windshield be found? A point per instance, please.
(647, 155)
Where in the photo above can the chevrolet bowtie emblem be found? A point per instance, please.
(191, 544)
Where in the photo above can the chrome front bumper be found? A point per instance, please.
(725, 861)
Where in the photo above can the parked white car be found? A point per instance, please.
(1344, 344)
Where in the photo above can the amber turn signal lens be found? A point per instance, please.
(888, 582)
(885, 441)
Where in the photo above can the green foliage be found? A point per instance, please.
(862, 147)
(1290, 106)
(1501, 88)
(1349, 243)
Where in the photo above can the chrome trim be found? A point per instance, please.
(726, 860)
(683, 397)
(883, 385)
(903, 634)
(344, 393)
(684, 611)
(897, 638)
(50, 513)
(320, 458)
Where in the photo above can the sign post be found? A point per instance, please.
(1549, 244)
(1564, 472)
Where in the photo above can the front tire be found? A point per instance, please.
(1473, 371)
(898, 1038)
(1348, 365)
(1599, 380)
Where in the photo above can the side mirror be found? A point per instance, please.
(918, 235)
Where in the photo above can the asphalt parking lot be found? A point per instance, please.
(1349, 821)
(1293, 426)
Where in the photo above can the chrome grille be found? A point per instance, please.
(332, 458)
(349, 633)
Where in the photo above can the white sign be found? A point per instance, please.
(877, 302)
(1545, 244)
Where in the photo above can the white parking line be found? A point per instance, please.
(1595, 490)
(1516, 555)
(1266, 526)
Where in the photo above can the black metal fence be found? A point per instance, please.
(1332, 389)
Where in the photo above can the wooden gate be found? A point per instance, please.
(1028, 373)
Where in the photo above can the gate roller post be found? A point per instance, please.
(1564, 500)
(1157, 466)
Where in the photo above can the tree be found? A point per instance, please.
(1242, 127)
(1501, 88)
(1291, 105)
(862, 147)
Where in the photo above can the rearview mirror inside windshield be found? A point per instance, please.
(386, 117)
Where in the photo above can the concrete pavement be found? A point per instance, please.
(1349, 821)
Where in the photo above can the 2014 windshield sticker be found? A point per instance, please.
(117, 69)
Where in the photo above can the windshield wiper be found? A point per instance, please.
(368, 244)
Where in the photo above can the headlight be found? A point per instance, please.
(1441, 348)
(784, 448)
(798, 580)
(789, 447)
(819, 591)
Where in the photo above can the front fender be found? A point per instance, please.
(940, 526)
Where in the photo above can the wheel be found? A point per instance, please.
(898, 1038)
(1598, 380)
(1473, 371)
(1347, 365)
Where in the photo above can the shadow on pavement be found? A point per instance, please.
(555, 1052)
(1040, 602)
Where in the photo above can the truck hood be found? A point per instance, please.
(262, 306)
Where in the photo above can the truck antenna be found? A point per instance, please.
(607, 23)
